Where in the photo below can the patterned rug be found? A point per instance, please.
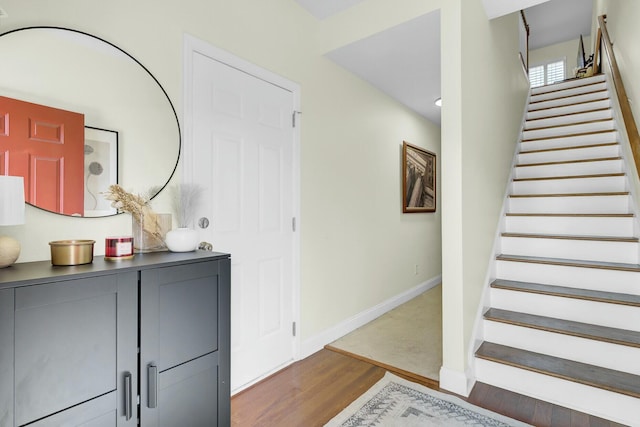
(395, 402)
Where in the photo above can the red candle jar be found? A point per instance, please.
(120, 247)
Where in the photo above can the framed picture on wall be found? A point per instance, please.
(419, 179)
(101, 169)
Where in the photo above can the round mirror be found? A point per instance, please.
(78, 114)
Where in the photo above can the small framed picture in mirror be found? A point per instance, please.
(101, 169)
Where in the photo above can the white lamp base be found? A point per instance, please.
(9, 251)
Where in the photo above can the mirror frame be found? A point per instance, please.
(173, 110)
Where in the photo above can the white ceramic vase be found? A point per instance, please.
(182, 240)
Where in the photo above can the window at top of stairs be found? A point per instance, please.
(546, 74)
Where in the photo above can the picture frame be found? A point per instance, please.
(418, 179)
(100, 169)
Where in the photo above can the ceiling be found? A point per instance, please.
(404, 61)
(558, 21)
(397, 59)
(322, 9)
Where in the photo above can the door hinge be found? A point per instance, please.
(293, 117)
(293, 329)
(293, 223)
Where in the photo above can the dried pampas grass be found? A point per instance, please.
(185, 198)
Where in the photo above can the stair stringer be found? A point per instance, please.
(597, 401)
(632, 174)
(484, 302)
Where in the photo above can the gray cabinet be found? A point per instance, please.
(183, 344)
(6, 357)
(66, 351)
(114, 344)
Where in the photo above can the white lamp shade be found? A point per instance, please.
(11, 200)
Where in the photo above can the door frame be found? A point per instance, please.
(195, 45)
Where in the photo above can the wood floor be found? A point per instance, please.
(312, 391)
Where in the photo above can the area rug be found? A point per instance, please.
(395, 402)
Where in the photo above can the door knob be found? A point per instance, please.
(203, 222)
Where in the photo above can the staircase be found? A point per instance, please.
(564, 318)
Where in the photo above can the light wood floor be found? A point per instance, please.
(312, 391)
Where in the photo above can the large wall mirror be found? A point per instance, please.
(129, 130)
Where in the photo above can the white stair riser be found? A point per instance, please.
(625, 282)
(569, 109)
(568, 92)
(570, 169)
(589, 250)
(601, 403)
(568, 119)
(573, 185)
(577, 310)
(587, 97)
(574, 204)
(570, 141)
(547, 129)
(594, 226)
(564, 346)
(597, 152)
(567, 85)
(568, 130)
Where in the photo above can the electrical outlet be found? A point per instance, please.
(417, 269)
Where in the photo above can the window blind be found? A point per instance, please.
(555, 72)
(536, 76)
(546, 74)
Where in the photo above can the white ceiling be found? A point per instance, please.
(558, 21)
(404, 61)
(324, 8)
(498, 8)
(396, 59)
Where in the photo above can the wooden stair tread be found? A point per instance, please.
(568, 292)
(573, 237)
(595, 376)
(570, 262)
(574, 147)
(605, 194)
(554, 116)
(569, 124)
(575, 215)
(569, 135)
(544, 178)
(565, 327)
(588, 82)
(606, 98)
(564, 162)
(595, 110)
(591, 92)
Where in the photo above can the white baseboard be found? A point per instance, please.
(260, 378)
(317, 342)
(456, 382)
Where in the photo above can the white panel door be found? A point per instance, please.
(243, 147)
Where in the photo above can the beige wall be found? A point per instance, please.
(622, 22)
(567, 51)
(357, 248)
(622, 25)
(484, 92)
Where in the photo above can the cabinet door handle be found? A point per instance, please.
(127, 396)
(152, 379)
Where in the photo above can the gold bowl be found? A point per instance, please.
(71, 252)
